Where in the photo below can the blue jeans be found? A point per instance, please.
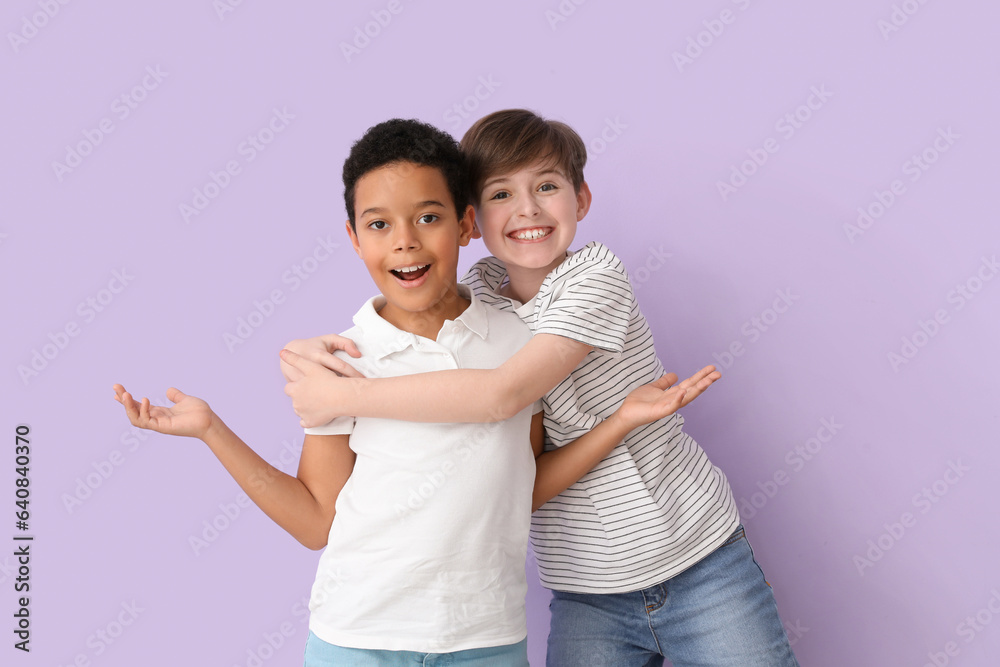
(719, 612)
(321, 654)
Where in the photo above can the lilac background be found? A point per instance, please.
(661, 136)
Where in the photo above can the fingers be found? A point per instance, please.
(679, 399)
(290, 372)
(143, 414)
(296, 360)
(342, 368)
(335, 342)
(696, 390)
(704, 377)
(307, 366)
(692, 387)
(131, 408)
(665, 381)
(299, 359)
(705, 372)
(175, 395)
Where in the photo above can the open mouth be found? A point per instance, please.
(530, 234)
(410, 273)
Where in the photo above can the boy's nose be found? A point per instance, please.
(404, 238)
(529, 207)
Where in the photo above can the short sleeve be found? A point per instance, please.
(339, 426)
(590, 303)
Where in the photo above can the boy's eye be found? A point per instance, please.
(500, 195)
(546, 187)
(430, 217)
(377, 224)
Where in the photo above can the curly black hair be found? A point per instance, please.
(400, 140)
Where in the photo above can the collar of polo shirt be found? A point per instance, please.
(384, 339)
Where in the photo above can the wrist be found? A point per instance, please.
(350, 402)
(619, 424)
(216, 428)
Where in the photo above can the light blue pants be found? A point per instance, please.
(321, 654)
(718, 613)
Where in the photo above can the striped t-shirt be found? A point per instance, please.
(655, 505)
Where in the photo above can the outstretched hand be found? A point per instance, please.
(662, 398)
(189, 416)
(320, 350)
(313, 388)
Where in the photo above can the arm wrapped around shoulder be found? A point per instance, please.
(592, 304)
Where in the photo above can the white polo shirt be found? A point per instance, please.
(427, 549)
(655, 505)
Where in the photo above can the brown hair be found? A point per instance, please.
(508, 140)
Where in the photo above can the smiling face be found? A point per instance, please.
(408, 234)
(528, 217)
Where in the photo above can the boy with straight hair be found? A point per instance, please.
(425, 524)
(645, 553)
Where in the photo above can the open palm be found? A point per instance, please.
(188, 415)
(662, 398)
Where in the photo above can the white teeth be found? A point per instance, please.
(530, 234)
(411, 269)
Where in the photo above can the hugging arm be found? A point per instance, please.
(464, 395)
(302, 505)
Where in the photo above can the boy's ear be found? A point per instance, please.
(583, 199)
(354, 238)
(467, 226)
